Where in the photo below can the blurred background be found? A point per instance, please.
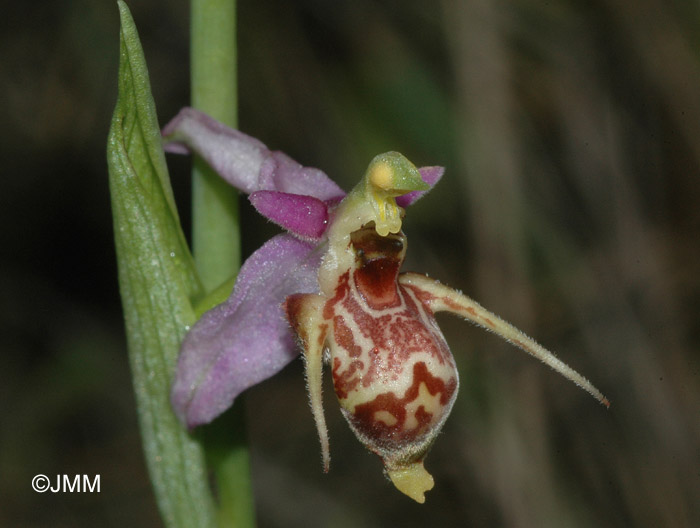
(570, 131)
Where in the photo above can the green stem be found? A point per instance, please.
(216, 237)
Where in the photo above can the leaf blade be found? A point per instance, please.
(157, 279)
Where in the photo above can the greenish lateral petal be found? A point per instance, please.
(157, 279)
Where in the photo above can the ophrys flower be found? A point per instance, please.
(338, 278)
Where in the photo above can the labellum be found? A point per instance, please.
(393, 372)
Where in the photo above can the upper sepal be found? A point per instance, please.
(243, 161)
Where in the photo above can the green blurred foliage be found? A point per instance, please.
(570, 206)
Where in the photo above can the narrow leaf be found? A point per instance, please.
(157, 280)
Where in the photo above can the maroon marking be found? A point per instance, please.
(341, 291)
(376, 282)
(344, 338)
(322, 335)
(292, 307)
(423, 296)
(345, 381)
(377, 262)
(455, 307)
(369, 324)
(388, 436)
(423, 417)
(399, 336)
(474, 314)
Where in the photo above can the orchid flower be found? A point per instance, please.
(247, 339)
(333, 283)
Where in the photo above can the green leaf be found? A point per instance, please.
(157, 279)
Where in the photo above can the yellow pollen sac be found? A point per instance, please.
(389, 217)
(382, 176)
(381, 179)
(381, 207)
(413, 480)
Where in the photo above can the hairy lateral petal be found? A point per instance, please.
(430, 175)
(302, 215)
(245, 339)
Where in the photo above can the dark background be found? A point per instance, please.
(570, 133)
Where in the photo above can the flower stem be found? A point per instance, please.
(216, 237)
